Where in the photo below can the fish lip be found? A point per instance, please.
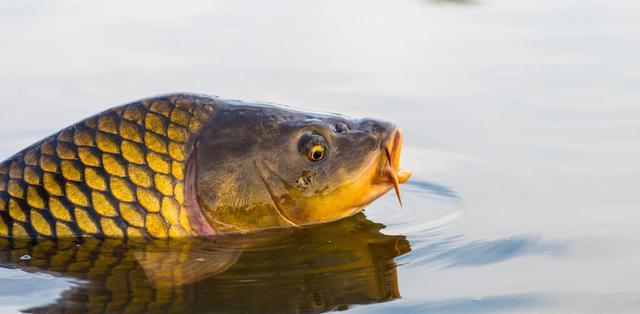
(392, 149)
(392, 171)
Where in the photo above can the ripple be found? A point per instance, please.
(491, 304)
(455, 251)
(432, 188)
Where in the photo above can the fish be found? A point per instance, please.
(186, 165)
(315, 269)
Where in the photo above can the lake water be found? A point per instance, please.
(522, 126)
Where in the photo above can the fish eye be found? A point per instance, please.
(316, 153)
(313, 146)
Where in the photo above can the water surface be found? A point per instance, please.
(522, 127)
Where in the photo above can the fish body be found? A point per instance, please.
(186, 165)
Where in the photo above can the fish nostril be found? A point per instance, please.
(341, 128)
(377, 129)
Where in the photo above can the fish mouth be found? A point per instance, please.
(392, 170)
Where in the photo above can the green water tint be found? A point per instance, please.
(311, 270)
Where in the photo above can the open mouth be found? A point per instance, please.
(398, 175)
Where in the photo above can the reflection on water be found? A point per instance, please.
(310, 270)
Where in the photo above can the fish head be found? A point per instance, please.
(261, 166)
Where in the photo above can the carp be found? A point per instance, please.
(185, 165)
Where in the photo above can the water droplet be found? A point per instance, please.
(199, 259)
(25, 258)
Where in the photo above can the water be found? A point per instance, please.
(522, 128)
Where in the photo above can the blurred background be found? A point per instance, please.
(521, 118)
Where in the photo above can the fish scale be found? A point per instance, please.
(117, 174)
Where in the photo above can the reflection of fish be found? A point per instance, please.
(184, 165)
(314, 269)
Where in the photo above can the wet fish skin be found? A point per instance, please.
(117, 174)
